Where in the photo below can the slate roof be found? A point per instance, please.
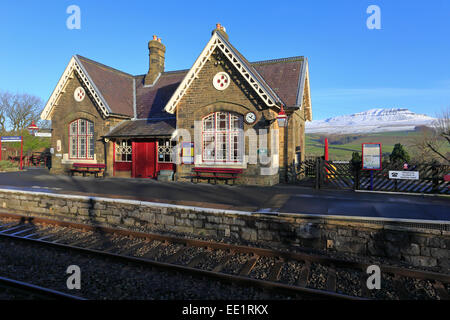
(253, 70)
(126, 94)
(150, 101)
(283, 76)
(115, 86)
(144, 128)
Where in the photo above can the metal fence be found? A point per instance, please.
(320, 173)
(431, 179)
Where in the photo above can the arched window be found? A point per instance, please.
(222, 138)
(81, 139)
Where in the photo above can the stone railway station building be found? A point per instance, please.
(214, 115)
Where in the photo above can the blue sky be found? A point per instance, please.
(405, 64)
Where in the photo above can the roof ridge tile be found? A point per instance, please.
(288, 59)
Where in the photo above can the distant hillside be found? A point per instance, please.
(342, 146)
(371, 121)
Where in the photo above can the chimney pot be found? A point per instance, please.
(221, 29)
(156, 60)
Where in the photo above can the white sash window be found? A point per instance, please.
(222, 135)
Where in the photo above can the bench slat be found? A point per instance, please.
(215, 173)
(218, 170)
(89, 165)
(90, 168)
(223, 177)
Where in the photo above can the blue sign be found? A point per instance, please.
(11, 139)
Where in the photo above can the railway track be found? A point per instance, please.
(310, 276)
(18, 290)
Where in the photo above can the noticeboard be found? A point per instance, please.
(371, 156)
(187, 152)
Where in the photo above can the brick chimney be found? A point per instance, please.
(157, 53)
(220, 29)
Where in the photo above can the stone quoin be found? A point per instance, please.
(221, 113)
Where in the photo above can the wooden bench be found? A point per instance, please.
(87, 168)
(215, 173)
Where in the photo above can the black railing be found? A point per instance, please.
(348, 175)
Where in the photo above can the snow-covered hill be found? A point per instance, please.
(374, 120)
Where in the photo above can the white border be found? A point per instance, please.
(304, 84)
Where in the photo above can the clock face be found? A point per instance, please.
(250, 117)
(79, 94)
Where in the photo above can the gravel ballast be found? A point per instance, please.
(347, 281)
(103, 278)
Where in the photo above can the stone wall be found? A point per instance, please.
(419, 247)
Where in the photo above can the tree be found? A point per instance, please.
(356, 158)
(356, 161)
(432, 141)
(399, 154)
(18, 110)
(30, 142)
(3, 111)
(44, 124)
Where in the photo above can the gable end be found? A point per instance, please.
(255, 81)
(75, 66)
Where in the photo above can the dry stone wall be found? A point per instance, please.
(419, 247)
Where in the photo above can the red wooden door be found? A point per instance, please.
(144, 159)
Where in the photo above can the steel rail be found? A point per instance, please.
(283, 255)
(314, 293)
(415, 273)
(36, 291)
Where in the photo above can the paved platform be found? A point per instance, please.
(280, 198)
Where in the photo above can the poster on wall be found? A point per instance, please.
(187, 153)
(371, 156)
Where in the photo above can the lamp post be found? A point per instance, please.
(282, 118)
(33, 128)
